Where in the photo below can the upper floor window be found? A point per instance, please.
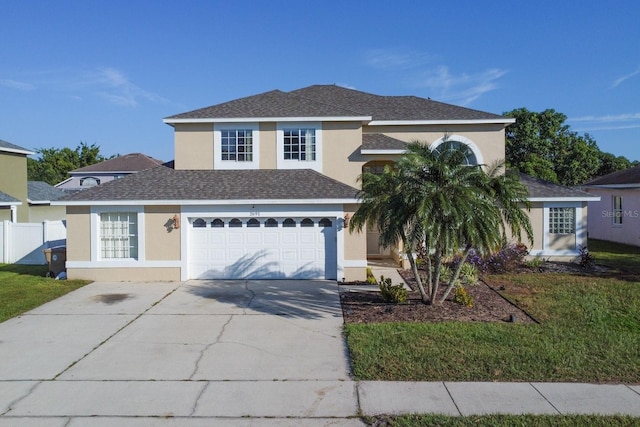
(299, 144)
(617, 210)
(236, 145)
(89, 181)
(472, 155)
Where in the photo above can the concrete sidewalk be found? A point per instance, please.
(256, 353)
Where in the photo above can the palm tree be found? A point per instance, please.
(431, 197)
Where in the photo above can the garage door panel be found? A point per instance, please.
(262, 252)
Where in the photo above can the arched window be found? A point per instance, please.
(235, 222)
(325, 222)
(271, 223)
(199, 223)
(288, 223)
(253, 223)
(307, 222)
(471, 152)
(217, 223)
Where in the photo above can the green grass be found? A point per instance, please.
(621, 257)
(24, 287)
(508, 421)
(588, 333)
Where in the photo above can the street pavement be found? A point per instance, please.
(237, 353)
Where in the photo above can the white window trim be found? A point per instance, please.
(220, 164)
(614, 223)
(580, 229)
(95, 233)
(464, 140)
(281, 163)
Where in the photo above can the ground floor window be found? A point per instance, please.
(562, 220)
(119, 235)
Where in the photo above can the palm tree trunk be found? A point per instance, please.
(456, 273)
(436, 276)
(414, 267)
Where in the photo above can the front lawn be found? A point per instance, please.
(24, 287)
(588, 333)
(504, 421)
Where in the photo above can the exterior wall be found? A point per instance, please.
(73, 183)
(78, 234)
(268, 146)
(489, 138)
(5, 213)
(162, 240)
(600, 216)
(536, 216)
(194, 146)
(40, 213)
(155, 274)
(355, 250)
(341, 151)
(13, 181)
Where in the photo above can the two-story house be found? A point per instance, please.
(264, 186)
(13, 182)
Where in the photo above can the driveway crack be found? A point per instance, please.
(20, 398)
(253, 295)
(208, 346)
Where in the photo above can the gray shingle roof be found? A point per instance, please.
(539, 188)
(163, 183)
(623, 177)
(40, 191)
(6, 199)
(133, 162)
(7, 146)
(269, 104)
(379, 141)
(336, 101)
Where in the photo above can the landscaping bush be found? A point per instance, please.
(507, 259)
(392, 293)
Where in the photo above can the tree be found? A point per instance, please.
(53, 164)
(430, 198)
(543, 146)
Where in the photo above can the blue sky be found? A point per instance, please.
(108, 72)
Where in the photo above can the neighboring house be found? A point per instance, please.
(558, 217)
(616, 217)
(13, 182)
(108, 170)
(40, 195)
(264, 186)
(8, 207)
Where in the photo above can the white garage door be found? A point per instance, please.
(262, 248)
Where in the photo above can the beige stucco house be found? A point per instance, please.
(264, 186)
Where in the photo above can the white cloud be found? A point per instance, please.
(400, 59)
(13, 84)
(461, 88)
(626, 77)
(607, 118)
(115, 87)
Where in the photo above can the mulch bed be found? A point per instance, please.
(361, 305)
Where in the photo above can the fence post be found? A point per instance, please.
(45, 234)
(5, 241)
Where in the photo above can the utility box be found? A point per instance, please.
(56, 258)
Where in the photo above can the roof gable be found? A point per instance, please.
(166, 184)
(323, 101)
(133, 162)
(541, 189)
(7, 200)
(629, 176)
(39, 191)
(12, 148)
(274, 104)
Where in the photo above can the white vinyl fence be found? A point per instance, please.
(22, 243)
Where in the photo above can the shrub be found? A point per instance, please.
(462, 297)
(469, 273)
(371, 280)
(535, 263)
(508, 258)
(586, 260)
(392, 293)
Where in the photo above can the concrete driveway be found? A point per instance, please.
(181, 352)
